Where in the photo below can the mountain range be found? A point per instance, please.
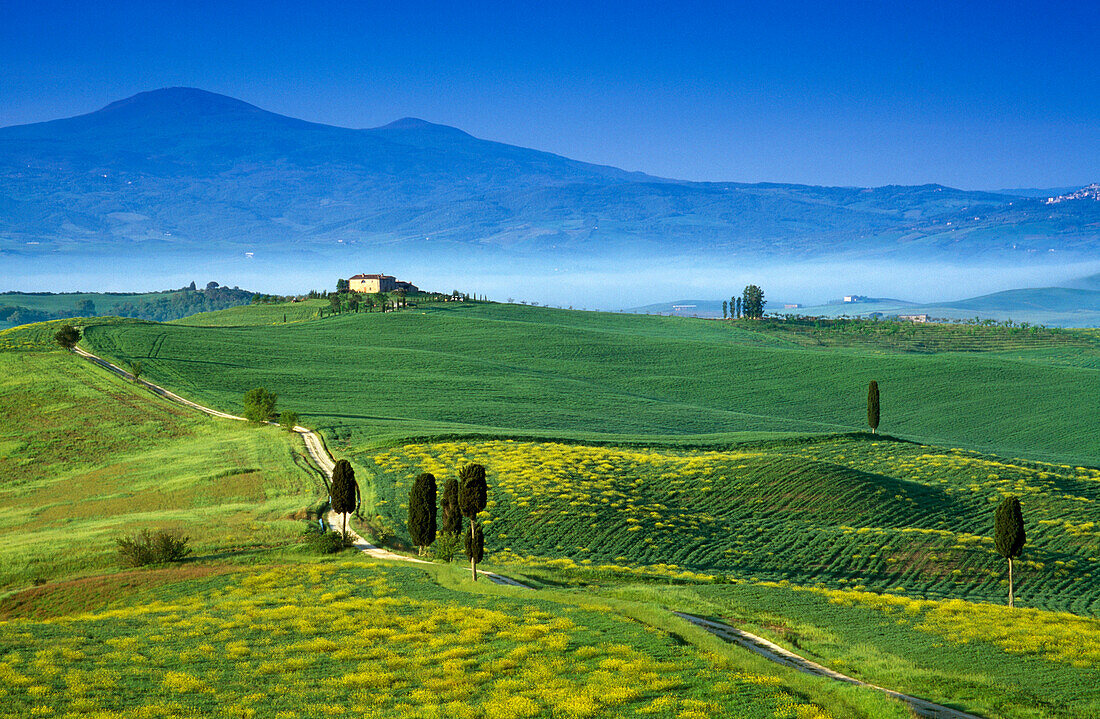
(186, 169)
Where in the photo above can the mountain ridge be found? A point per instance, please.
(182, 168)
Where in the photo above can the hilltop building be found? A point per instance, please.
(378, 283)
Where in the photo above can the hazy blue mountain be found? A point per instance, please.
(184, 169)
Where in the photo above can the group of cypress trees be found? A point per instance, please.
(462, 497)
(750, 305)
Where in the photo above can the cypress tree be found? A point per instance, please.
(473, 494)
(872, 406)
(422, 511)
(1008, 535)
(475, 546)
(452, 516)
(737, 315)
(344, 491)
(725, 309)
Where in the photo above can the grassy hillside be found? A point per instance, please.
(844, 511)
(86, 457)
(510, 369)
(990, 659)
(20, 308)
(359, 639)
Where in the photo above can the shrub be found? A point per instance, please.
(67, 336)
(445, 547)
(288, 420)
(322, 541)
(259, 404)
(152, 548)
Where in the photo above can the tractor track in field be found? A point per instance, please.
(319, 453)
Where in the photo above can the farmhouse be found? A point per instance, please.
(378, 283)
(913, 318)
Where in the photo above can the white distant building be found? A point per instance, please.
(913, 318)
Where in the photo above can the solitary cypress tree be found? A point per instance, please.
(344, 491)
(422, 511)
(452, 516)
(473, 493)
(725, 309)
(872, 406)
(1008, 535)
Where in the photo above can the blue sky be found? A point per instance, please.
(971, 94)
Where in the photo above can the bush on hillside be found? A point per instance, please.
(152, 548)
(67, 336)
(259, 405)
(446, 546)
(288, 420)
(323, 541)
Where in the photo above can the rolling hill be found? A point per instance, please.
(183, 170)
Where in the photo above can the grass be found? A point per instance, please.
(619, 448)
(258, 314)
(850, 511)
(507, 370)
(354, 638)
(979, 657)
(86, 457)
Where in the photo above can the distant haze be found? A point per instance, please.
(181, 184)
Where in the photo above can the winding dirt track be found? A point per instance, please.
(317, 450)
(769, 650)
(779, 655)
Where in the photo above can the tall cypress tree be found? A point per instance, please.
(872, 406)
(725, 309)
(344, 491)
(473, 494)
(422, 511)
(1008, 535)
(452, 515)
(737, 315)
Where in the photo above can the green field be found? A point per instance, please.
(636, 465)
(86, 457)
(840, 511)
(355, 638)
(505, 369)
(992, 660)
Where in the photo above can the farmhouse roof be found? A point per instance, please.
(369, 277)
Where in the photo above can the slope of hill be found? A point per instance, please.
(20, 308)
(182, 169)
(483, 368)
(86, 457)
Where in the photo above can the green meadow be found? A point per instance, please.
(86, 457)
(843, 512)
(507, 370)
(636, 465)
